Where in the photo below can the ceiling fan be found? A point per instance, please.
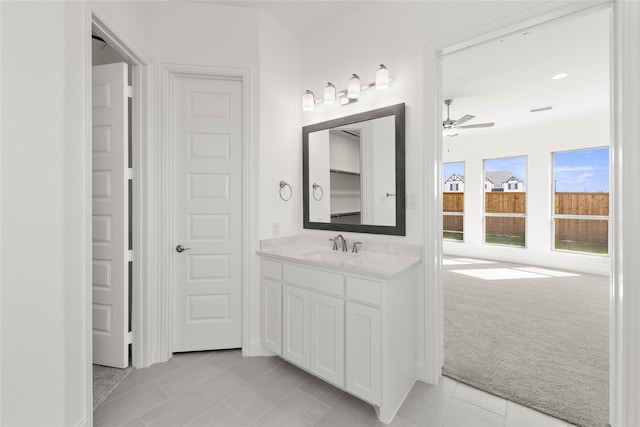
(450, 127)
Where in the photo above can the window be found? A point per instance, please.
(581, 201)
(453, 201)
(505, 211)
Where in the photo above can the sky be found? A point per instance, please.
(583, 171)
(516, 165)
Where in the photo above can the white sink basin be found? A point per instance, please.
(331, 256)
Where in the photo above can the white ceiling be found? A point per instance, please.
(502, 80)
(302, 17)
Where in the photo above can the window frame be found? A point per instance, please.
(461, 214)
(555, 216)
(486, 214)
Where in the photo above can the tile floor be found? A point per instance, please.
(222, 388)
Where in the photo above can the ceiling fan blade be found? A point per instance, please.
(479, 125)
(463, 119)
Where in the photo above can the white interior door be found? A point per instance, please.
(207, 139)
(110, 222)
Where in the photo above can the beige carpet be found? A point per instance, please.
(105, 380)
(541, 341)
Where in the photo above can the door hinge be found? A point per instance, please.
(130, 174)
(130, 255)
(130, 337)
(130, 91)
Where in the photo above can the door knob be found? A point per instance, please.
(181, 248)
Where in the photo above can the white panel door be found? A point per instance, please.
(295, 325)
(207, 152)
(110, 224)
(327, 337)
(363, 351)
(271, 315)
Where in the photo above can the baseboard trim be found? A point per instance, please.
(254, 349)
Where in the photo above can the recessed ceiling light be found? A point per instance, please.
(559, 76)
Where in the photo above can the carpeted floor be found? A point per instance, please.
(533, 336)
(105, 380)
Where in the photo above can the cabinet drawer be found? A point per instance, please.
(315, 279)
(272, 270)
(363, 290)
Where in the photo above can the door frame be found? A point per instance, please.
(101, 25)
(168, 72)
(624, 373)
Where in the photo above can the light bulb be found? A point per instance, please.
(449, 132)
(353, 88)
(382, 78)
(329, 94)
(308, 101)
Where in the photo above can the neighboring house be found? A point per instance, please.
(454, 184)
(503, 181)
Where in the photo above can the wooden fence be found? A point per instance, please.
(582, 204)
(582, 230)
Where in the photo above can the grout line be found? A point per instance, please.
(234, 409)
(478, 405)
(446, 411)
(163, 390)
(274, 405)
(481, 407)
(322, 403)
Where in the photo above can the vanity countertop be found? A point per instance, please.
(370, 263)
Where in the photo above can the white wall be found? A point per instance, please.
(280, 138)
(537, 144)
(280, 129)
(44, 106)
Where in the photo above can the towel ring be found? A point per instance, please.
(282, 186)
(315, 187)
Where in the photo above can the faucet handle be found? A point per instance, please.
(335, 244)
(355, 247)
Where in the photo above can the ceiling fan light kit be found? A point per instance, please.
(450, 127)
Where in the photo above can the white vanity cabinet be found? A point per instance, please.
(354, 331)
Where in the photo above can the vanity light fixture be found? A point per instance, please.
(382, 78)
(308, 101)
(329, 93)
(350, 94)
(559, 76)
(353, 88)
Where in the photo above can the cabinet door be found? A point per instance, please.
(271, 315)
(295, 325)
(363, 351)
(327, 338)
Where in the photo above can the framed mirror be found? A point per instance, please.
(354, 173)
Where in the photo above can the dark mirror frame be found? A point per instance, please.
(400, 228)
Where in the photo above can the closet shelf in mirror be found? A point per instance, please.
(345, 193)
(341, 214)
(344, 172)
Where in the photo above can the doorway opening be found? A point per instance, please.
(520, 102)
(114, 305)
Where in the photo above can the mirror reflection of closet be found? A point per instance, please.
(344, 177)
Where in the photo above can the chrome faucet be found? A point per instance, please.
(344, 243)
